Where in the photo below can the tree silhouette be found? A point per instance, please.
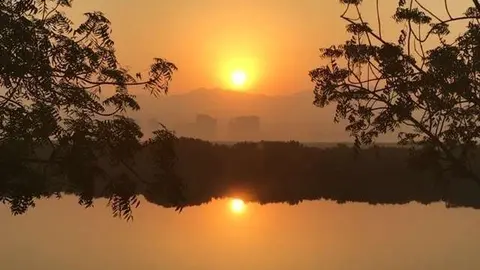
(292, 172)
(58, 120)
(425, 85)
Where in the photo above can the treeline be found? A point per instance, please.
(290, 172)
(264, 172)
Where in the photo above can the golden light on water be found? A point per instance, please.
(237, 206)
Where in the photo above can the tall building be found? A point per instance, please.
(205, 127)
(244, 128)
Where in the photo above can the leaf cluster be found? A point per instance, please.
(63, 100)
(429, 97)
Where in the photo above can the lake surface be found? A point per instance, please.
(59, 234)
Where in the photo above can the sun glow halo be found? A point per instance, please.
(239, 78)
(239, 72)
(237, 206)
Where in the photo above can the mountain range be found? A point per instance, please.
(282, 117)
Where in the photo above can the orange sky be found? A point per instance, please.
(275, 41)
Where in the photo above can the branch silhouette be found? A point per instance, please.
(56, 130)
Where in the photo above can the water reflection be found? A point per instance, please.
(311, 235)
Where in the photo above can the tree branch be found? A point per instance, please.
(428, 11)
(477, 4)
(379, 20)
(447, 9)
(9, 99)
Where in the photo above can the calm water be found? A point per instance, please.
(312, 235)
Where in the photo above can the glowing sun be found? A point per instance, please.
(239, 78)
(237, 206)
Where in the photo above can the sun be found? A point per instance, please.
(239, 77)
(237, 206)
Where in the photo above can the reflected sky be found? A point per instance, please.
(312, 235)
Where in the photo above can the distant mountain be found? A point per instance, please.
(282, 117)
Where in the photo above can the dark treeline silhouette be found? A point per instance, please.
(61, 133)
(290, 172)
(268, 172)
(263, 172)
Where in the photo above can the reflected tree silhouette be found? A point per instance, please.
(291, 172)
(63, 127)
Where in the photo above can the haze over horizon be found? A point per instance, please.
(282, 117)
(263, 48)
(273, 183)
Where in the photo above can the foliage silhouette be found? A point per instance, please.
(290, 172)
(429, 95)
(58, 119)
(274, 172)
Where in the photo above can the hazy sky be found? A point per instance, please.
(276, 42)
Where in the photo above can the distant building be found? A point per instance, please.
(244, 128)
(205, 127)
